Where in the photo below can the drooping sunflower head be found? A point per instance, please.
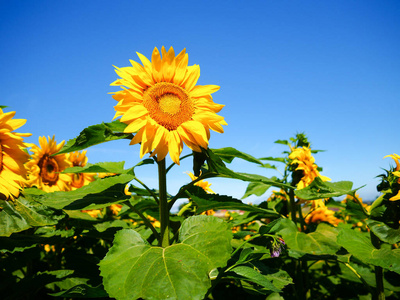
(162, 104)
(303, 161)
(44, 169)
(79, 159)
(12, 156)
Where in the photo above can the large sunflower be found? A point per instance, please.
(12, 156)
(44, 168)
(79, 159)
(162, 103)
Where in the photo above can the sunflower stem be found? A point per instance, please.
(163, 205)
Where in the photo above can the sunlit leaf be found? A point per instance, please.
(133, 269)
(228, 154)
(21, 214)
(359, 244)
(97, 194)
(256, 188)
(320, 242)
(206, 202)
(319, 189)
(217, 168)
(384, 232)
(96, 134)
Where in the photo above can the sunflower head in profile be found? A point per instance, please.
(79, 159)
(12, 156)
(44, 169)
(162, 104)
(304, 163)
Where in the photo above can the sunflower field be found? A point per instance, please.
(70, 229)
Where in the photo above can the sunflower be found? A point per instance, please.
(79, 159)
(396, 173)
(12, 156)
(322, 214)
(162, 103)
(44, 168)
(201, 183)
(305, 162)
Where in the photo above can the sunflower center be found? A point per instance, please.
(168, 104)
(77, 180)
(48, 170)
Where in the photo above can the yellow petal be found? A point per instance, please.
(192, 75)
(201, 90)
(135, 112)
(136, 125)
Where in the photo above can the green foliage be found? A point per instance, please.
(133, 269)
(96, 134)
(99, 242)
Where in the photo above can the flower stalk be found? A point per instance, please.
(163, 205)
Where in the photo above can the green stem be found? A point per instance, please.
(359, 277)
(181, 158)
(292, 206)
(184, 208)
(163, 205)
(145, 220)
(380, 294)
(148, 189)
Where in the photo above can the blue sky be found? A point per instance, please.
(330, 69)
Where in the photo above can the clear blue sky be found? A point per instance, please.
(330, 69)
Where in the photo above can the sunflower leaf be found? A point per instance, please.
(217, 168)
(359, 244)
(97, 194)
(256, 188)
(319, 189)
(22, 214)
(133, 269)
(384, 232)
(228, 154)
(96, 134)
(206, 202)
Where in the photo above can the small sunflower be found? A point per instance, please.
(302, 157)
(44, 168)
(79, 159)
(12, 156)
(162, 103)
(203, 184)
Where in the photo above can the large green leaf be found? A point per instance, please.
(96, 134)
(320, 242)
(228, 154)
(21, 214)
(319, 189)
(97, 194)
(206, 202)
(384, 232)
(133, 269)
(358, 244)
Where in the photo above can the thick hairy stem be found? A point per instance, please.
(163, 205)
